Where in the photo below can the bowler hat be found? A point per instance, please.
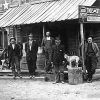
(12, 38)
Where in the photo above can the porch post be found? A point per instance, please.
(43, 31)
(82, 45)
(8, 37)
(3, 38)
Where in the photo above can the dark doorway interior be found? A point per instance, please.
(69, 35)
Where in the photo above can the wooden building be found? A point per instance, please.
(60, 17)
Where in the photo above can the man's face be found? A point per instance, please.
(30, 38)
(90, 40)
(13, 41)
(57, 42)
(47, 34)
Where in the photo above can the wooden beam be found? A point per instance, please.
(3, 38)
(82, 46)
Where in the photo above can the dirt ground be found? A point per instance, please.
(27, 89)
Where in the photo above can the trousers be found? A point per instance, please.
(91, 64)
(59, 73)
(31, 66)
(15, 66)
(48, 55)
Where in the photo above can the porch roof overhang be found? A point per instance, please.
(49, 11)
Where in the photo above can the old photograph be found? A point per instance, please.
(49, 49)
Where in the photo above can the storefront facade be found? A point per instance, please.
(38, 18)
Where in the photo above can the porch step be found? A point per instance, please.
(40, 75)
(23, 78)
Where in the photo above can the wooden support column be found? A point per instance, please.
(43, 31)
(3, 38)
(8, 38)
(82, 45)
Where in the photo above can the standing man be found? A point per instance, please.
(14, 57)
(58, 59)
(47, 43)
(31, 48)
(92, 53)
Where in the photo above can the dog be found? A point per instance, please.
(72, 59)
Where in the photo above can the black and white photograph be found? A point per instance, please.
(49, 49)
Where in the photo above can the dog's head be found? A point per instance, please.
(66, 56)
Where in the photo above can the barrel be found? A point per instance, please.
(75, 75)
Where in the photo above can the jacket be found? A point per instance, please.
(95, 48)
(58, 53)
(31, 54)
(13, 52)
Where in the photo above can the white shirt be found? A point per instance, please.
(13, 46)
(30, 44)
(48, 38)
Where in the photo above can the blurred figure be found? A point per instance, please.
(92, 53)
(58, 51)
(31, 48)
(14, 57)
(21, 48)
(47, 43)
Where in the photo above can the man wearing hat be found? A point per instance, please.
(47, 43)
(31, 48)
(58, 59)
(91, 55)
(14, 57)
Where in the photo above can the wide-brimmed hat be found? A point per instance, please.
(12, 38)
(30, 35)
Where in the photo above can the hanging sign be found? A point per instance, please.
(89, 14)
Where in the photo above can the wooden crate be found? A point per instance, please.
(75, 75)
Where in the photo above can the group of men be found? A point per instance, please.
(15, 55)
(54, 54)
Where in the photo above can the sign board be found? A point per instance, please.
(89, 14)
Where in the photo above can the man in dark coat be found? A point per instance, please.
(14, 57)
(58, 59)
(92, 53)
(31, 48)
(47, 43)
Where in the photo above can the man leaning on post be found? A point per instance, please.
(91, 55)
